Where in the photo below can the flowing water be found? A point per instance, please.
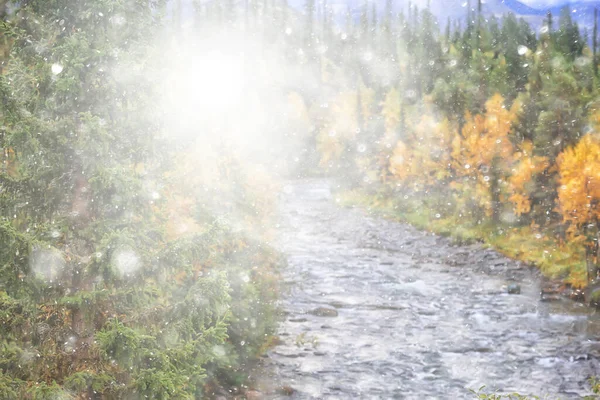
(378, 309)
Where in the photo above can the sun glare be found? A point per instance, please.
(203, 88)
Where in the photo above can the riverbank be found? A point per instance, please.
(561, 264)
(375, 308)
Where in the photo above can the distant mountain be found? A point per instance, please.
(522, 9)
(534, 11)
(578, 8)
(582, 12)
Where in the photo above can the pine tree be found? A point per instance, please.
(595, 43)
(478, 30)
(110, 294)
(309, 34)
(374, 26)
(568, 38)
(364, 25)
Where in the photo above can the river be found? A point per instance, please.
(376, 309)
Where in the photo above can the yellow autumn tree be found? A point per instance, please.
(339, 128)
(579, 195)
(367, 102)
(297, 108)
(394, 125)
(401, 162)
(433, 149)
(424, 154)
(482, 154)
(522, 176)
(391, 107)
(579, 177)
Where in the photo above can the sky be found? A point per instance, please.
(545, 3)
(455, 9)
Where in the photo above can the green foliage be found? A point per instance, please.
(45, 391)
(158, 384)
(11, 314)
(119, 343)
(480, 394)
(85, 381)
(9, 387)
(96, 294)
(595, 386)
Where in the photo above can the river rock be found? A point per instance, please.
(324, 312)
(297, 320)
(550, 297)
(287, 390)
(253, 395)
(577, 295)
(593, 295)
(513, 288)
(551, 293)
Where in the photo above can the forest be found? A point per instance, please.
(138, 181)
(499, 116)
(487, 132)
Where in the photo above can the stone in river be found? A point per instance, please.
(513, 288)
(550, 297)
(254, 395)
(297, 320)
(287, 390)
(324, 312)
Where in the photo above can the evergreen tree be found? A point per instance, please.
(115, 305)
(568, 38)
(595, 43)
(309, 28)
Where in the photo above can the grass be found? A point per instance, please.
(482, 395)
(533, 246)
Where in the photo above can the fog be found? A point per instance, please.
(318, 199)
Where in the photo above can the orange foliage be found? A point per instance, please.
(528, 166)
(367, 100)
(390, 109)
(579, 177)
(297, 108)
(485, 137)
(485, 151)
(180, 214)
(401, 161)
(11, 166)
(426, 155)
(340, 128)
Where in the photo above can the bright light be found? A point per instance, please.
(226, 90)
(202, 88)
(56, 69)
(212, 81)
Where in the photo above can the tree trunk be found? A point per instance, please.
(592, 252)
(495, 189)
(592, 270)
